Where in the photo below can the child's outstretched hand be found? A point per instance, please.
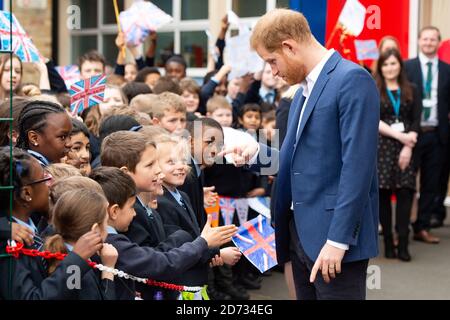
(230, 255)
(88, 244)
(21, 234)
(209, 196)
(216, 262)
(215, 237)
(109, 255)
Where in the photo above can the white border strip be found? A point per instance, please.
(414, 18)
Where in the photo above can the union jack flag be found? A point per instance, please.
(87, 93)
(70, 74)
(227, 208)
(366, 50)
(256, 240)
(22, 45)
(141, 18)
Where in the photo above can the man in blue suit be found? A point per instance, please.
(327, 164)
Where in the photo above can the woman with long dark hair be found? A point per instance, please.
(399, 126)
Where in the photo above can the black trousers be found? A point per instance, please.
(402, 212)
(440, 211)
(429, 155)
(349, 285)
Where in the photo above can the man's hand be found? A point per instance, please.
(241, 154)
(329, 261)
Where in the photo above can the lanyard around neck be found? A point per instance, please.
(395, 102)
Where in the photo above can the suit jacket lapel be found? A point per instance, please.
(317, 91)
(420, 75)
(294, 115)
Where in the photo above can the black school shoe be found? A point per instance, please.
(249, 283)
(235, 293)
(215, 294)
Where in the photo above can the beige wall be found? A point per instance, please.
(217, 10)
(436, 12)
(38, 24)
(63, 34)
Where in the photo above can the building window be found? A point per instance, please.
(194, 9)
(283, 3)
(249, 8)
(185, 35)
(98, 29)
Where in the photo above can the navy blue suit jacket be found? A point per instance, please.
(329, 170)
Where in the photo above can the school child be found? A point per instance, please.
(149, 76)
(13, 230)
(147, 262)
(214, 83)
(250, 119)
(167, 84)
(29, 275)
(191, 95)
(176, 210)
(5, 135)
(8, 83)
(132, 89)
(206, 141)
(133, 153)
(136, 155)
(110, 125)
(176, 67)
(61, 170)
(269, 125)
(219, 109)
(169, 112)
(78, 214)
(231, 182)
(79, 155)
(44, 131)
(112, 97)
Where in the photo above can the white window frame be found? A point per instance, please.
(176, 27)
(270, 4)
(100, 31)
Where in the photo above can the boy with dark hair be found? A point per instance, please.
(145, 262)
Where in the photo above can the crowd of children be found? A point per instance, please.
(125, 183)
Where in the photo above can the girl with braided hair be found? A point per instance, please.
(26, 196)
(32, 277)
(44, 131)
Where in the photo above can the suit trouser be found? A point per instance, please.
(429, 158)
(349, 285)
(441, 212)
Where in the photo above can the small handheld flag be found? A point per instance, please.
(366, 50)
(87, 93)
(22, 45)
(256, 240)
(70, 74)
